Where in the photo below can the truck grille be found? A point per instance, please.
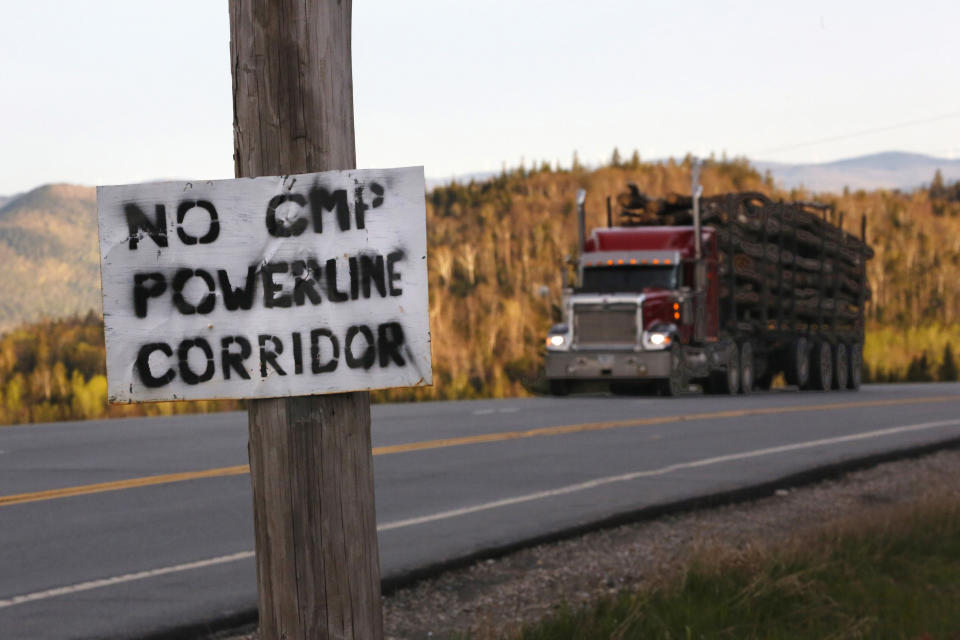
(598, 325)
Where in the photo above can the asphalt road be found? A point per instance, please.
(100, 536)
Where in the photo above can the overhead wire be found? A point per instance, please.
(862, 132)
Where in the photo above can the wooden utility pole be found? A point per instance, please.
(311, 462)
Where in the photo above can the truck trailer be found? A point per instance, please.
(723, 292)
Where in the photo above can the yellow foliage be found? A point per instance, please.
(495, 254)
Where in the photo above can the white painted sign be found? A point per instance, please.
(265, 287)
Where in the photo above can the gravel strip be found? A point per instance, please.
(493, 598)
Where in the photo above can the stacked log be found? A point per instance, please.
(782, 265)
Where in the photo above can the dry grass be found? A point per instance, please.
(892, 573)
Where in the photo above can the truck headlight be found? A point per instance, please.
(557, 339)
(656, 340)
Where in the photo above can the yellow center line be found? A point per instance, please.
(66, 492)
(644, 422)
(146, 481)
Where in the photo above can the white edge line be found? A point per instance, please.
(627, 477)
(454, 513)
(129, 577)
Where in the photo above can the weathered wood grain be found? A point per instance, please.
(311, 463)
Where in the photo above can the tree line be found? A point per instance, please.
(56, 370)
(495, 253)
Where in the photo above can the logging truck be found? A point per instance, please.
(723, 292)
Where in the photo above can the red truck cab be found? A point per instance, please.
(659, 262)
(634, 301)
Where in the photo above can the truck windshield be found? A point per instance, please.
(622, 279)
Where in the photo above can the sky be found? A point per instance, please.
(103, 92)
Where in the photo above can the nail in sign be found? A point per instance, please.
(265, 287)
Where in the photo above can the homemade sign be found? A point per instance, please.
(265, 287)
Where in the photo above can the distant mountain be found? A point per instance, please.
(5, 199)
(888, 170)
(48, 254)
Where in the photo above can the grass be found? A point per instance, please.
(890, 576)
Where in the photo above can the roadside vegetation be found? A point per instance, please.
(56, 370)
(495, 254)
(895, 575)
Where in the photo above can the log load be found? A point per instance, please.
(780, 264)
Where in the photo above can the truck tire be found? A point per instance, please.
(746, 368)
(797, 371)
(856, 366)
(727, 381)
(677, 382)
(559, 387)
(821, 367)
(841, 367)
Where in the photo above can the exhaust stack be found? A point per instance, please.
(696, 190)
(699, 264)
(582, 218)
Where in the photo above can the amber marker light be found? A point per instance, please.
(609, 263)
(656, 261)
(620, 261)
(633, 261)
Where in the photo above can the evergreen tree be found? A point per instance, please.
(948, 368)
(919, 369)
(937, 189)
(938, 193)
(926, 371)
(615, 159)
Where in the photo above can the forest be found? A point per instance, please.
(495, 253)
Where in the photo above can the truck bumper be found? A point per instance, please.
(606, 365)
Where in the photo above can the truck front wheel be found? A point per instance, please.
(677, 382)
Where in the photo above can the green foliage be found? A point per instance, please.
(896, 577)
(55, 370)
(919, 369)
(947, 372)
(493, 247)
(898, 354)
